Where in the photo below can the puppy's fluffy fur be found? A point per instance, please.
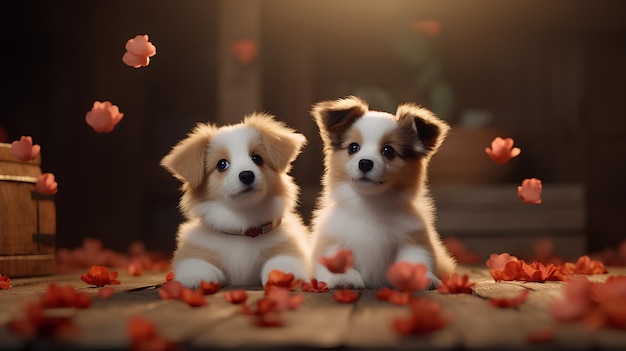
(236, 178)
(375, 200)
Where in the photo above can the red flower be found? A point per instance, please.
(171, 290)
(383, 294)
(502, 150)
(106, 292)
(37, 324)
(24, 150)
(576, 303)
(512, 302)
(5, 282)
(341, 262)
(236, 296)
(455, 285)
(100, 276)
(169, 276)
(64, 296)
(530, 191)
(425, 317)
(533, 272)
(406, 276)
(283, 280)
(194, 298)
(143, 336)
(498, 262)
(584, 265)
(283, 299)
(210, 288)
(346, 295)
(314, 286)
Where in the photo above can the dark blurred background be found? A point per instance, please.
(550, 74)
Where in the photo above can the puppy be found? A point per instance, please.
(238, 200)
(375, 201)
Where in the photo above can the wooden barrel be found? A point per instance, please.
(27, 219)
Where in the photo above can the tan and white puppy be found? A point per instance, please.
(238, 200)
(375, 201)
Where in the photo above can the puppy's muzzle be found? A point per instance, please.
(366, 165)
(246, 177)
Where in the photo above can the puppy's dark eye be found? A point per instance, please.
(258, 160)
(388, 152)
(353, 147)
(222, 165)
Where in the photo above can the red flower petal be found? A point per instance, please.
(400, 298)
(314, 286)
(64, 296)
(46, 185)
(103, 116)
(406, 276)
(341, 262)
(144, 336)
(512, 302)
(584, 265)
(100, 276)
(346, 295)
(5, 282)
(383, 294)
(169, 276)
(171, 290)
(106, 292)
(135, 267)
(24, 149)
(236, 296)
(502, 150)
(498, 262)
(425, 317)
(530, 191)
(283, 280)
(210, 288)
(194, 298)
(455, 285)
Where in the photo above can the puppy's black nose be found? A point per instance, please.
(366, 165)
(246, 177)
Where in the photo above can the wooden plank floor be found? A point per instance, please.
(319, 323)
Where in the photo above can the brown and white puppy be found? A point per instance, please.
(375, 201)
(238, 200)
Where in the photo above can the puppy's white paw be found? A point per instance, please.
(191, 272)
(350, 280)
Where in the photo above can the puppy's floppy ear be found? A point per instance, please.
(187, 158)
(428, 129)
(282, 143)
(334, 117)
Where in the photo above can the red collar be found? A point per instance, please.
(256, 231)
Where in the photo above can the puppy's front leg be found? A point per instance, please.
(191, 272)
(351, 279)
(287, 264)
(416, 254)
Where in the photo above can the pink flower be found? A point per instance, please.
(103, 116)
(406, 276)
(138, 51)
(341, 262)
(502, 150)
(498, 262)
(24, 150)
(46, 185)
(530, 191)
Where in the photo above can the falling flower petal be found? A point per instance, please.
(282, 279)
(499, 261)
(346, 295)
(194, 298)
(236, 296)
(341, 262)
(100, 276)
(456, 285)
(46, 185)
(24, 150)
(314, 286)
(210, 288)
(138, 51)
(530, 191)
(576, 303)
(5, 282)
(106, 292)
(511, 302)
(502, 150)
(103, 117)
(406, 276)
(171, 290)
(244, 50)
(135, 267)
(425, 317)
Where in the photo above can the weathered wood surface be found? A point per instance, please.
(319, 322)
